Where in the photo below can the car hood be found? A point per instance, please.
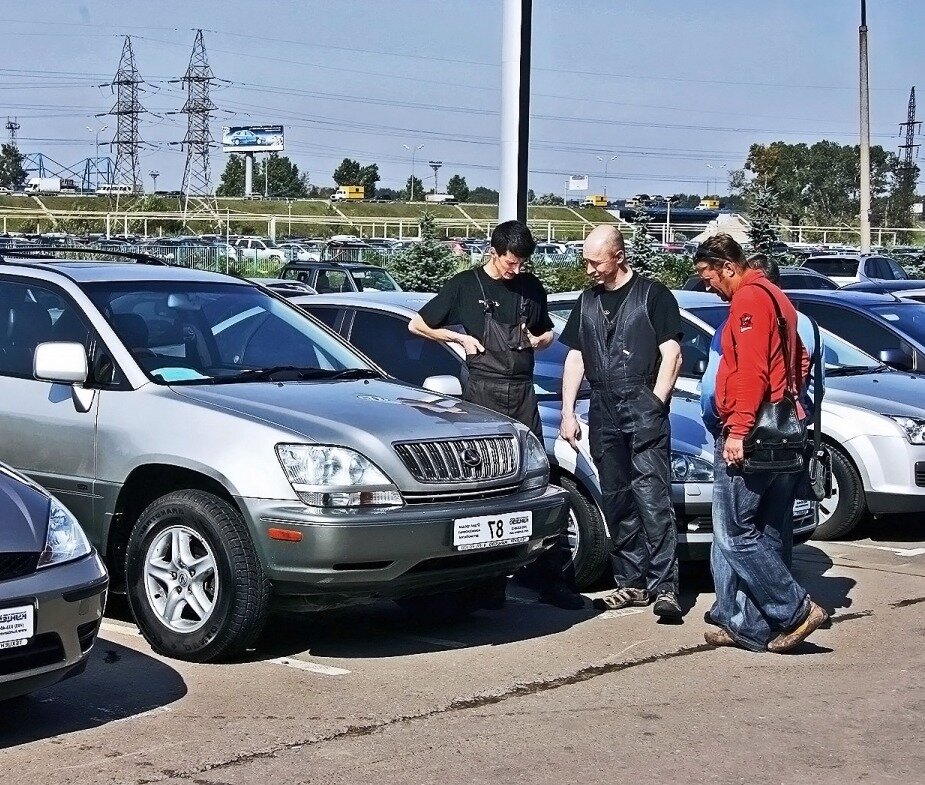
(890, 392)
(352, 413)
(24, 514)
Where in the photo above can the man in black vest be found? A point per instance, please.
(504, 314)
(624, 338)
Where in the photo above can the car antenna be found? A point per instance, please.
(49, 251)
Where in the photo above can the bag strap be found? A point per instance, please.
(784, 341)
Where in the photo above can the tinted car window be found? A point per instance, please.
(798, 281)
(854, 327)
(898, 274)
(325, 314)
(833, 265)
(908, 317)
(385, 338)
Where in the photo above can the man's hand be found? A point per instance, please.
(569, 429)
(538, 342)
(471, 344)
(733, 452)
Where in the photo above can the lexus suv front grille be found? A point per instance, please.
(459, 460)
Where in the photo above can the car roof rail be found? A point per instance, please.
(53, 252)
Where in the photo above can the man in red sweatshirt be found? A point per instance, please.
(759, 606)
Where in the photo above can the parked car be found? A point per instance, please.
(377, 324)
(224, 450)
(341, 276)
(303, 251)
(910, 290)
(52, 589)
(848, 268)
(873, 421)
(258, 249)
(884, 326)
(790, 278)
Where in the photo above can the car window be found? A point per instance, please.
(833, 265)
(331, 280)
(896, 270)
(695, 347)
(907, 317)
(374, 279)
(797, 281)
(33, 315)
(385, 338)
(854, 327)
(326, 314)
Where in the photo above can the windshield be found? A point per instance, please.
(374, 279)
(197, 333)
(908, 318)
(838, 352)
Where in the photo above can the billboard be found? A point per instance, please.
(252, 139)
(578, 182)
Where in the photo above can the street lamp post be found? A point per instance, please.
(414, 151)
(289, 224)
(715, 178)
(668, 201)
(97, 132)
(605, 160)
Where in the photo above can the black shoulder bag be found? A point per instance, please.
(816, 483)
(777, 440)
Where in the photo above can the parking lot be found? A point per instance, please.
(365, 695)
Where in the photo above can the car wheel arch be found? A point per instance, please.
(145, 484)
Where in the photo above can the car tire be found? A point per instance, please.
(843, 510)
(586, 525)
(228, 611)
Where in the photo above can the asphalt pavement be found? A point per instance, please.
(529, 693)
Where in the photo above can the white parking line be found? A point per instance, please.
(313, 667)
(887, 548)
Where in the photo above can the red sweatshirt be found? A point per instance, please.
(751, 370)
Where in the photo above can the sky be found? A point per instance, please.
(676, 91)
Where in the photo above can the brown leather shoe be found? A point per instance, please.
(719, 637)
(787, 640)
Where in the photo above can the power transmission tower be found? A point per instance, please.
(198, 195)
(12, 126)
(907, 171)
(126, 111)
(912, 126)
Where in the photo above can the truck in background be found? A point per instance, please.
(51, 185)
(440, 198)
(595, 200)
(349, 193)
(708, 203)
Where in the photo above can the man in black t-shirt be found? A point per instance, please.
(623, 335)
(503, 312)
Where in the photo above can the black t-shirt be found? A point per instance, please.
(457, 302)
(663, 312)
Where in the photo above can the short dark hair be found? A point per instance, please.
(715, 251)
(513, 237)
(768, 266)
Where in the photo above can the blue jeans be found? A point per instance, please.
(756, 595)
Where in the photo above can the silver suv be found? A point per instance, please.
(223, 449)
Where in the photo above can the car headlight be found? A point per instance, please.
(327, 476)
(913, 428)
(536, 464)
(66, 540)
(690, 468)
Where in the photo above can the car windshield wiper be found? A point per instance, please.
(855, 370)
(281, 373)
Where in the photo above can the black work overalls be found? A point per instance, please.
(630, 439)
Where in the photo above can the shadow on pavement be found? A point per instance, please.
(118, 683)
(892, 529)
(832, 592)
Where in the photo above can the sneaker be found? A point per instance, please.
(562, 596)
(666, 606)
(787, 640)
(621, 598)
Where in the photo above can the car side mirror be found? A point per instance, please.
(896, 358)
(444, 385)
(61, 362)
(700, 367)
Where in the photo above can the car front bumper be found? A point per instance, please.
(69, 600)
(393, 552)
(891, 469)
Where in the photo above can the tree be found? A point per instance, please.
(348, 172)
(531, 196)
(232, 181)
(12, 172)
(457, 188)
(763, 215)
(282, 177)
(426, 265)
(548, 200)
(483, 195)
(368, 177)
(418, 190)
(643, 254)
(685, 201)
(389, 193)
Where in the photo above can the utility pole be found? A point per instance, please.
(516, 35)
(96, 161)
(912, 127)
(865, 131)
(197, 173)
(413, 153)
(126, 85)
(605, 160)
(435, 165)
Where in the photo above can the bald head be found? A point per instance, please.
(606, 239)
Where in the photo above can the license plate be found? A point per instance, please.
(17, 625)
(490, 531)
(800, 507)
